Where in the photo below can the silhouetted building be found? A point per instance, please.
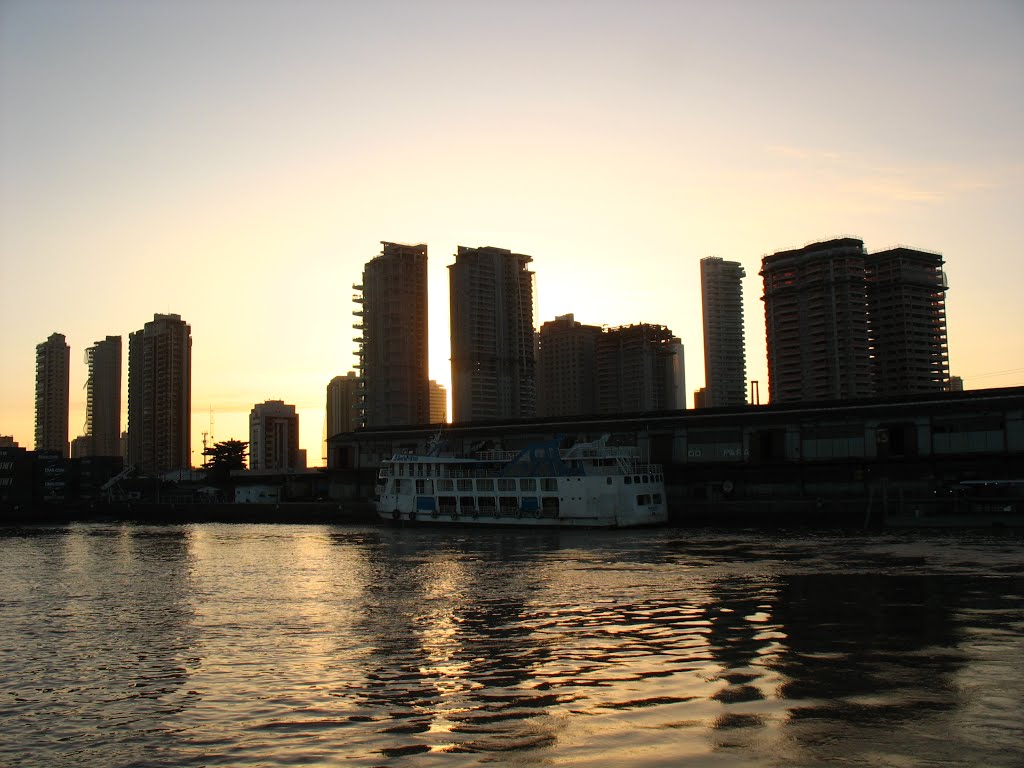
(8, 441)
(343, 394)
(393, 351)
(725, 369)
(81, 447)
(639, 368)
(274, 437)
(53, 384)
(956, 384)
(492, 336)
(700, 398)
(438, 403)
(816, 322)
(567, 367)
(906, 291)
(103, 398)
(160, 396)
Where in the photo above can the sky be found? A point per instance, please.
(237, 163)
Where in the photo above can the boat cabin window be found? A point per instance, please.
(657, 498)
(528, 484)
(629, 479)
(506, 484)
(465, 484)
(643, 499)
(548, 484)
(485, 485)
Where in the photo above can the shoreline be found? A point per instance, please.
(353, 512)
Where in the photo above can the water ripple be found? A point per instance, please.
(304, 645)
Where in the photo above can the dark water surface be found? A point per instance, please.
(314, 645)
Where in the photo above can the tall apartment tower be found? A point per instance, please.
(393, 346)
(160, 395)
(53, 385)
(816, 322)
(343, 397)
(725, 369)
(906, 291)
(103, 397)
(438, 402)
(640, 368)
(491, 292)
(567, 367)
(274, 437)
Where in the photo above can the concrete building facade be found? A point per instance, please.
(160, 396)
(491, 291)
(438, 402)
(567, 367)
(725, 369)
(103, 397)
(906, 291)
(53, 384)
(816, 323)
(393, 350)
(343, 397)
(639, 368)
(274, 437)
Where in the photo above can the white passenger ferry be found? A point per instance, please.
(590, 485)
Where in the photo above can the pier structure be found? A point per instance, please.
(846, 461)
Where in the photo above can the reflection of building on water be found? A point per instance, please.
(452, 654)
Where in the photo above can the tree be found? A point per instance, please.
(224, 457)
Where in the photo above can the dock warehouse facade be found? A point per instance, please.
(827, 461)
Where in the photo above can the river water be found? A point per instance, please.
(275, 645)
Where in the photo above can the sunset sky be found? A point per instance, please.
(237, 163)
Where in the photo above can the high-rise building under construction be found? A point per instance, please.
(393, 348)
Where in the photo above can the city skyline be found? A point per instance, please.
(239, 169)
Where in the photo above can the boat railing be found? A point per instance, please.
(647, 469)
(504, 456)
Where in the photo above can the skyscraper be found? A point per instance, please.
(53, 384)
(274, 437)
(640, 368)
(393, 351)
(906, 291)
(491, 294)
(438, 403)
(343, 403)
(160, 395)
(567, 367)
(725, 370)
(103, 397)
(816, 323)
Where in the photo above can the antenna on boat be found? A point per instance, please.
(435, 444)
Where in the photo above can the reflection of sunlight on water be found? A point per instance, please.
(443, 585)
(307, 645)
